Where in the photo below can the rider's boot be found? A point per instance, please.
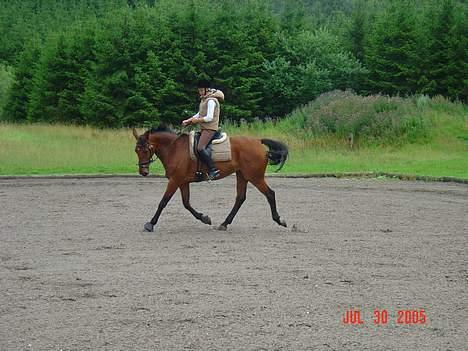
(205, 156)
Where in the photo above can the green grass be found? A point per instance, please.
(442, 151)
(35, 149)
(57, 149)
(414, 160)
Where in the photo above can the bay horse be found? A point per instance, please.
(249, 160)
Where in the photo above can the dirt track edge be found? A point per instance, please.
(407, 177)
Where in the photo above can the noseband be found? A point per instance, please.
(152, 154)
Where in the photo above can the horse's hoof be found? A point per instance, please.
(149, 227)
(222, 228)
(283, 223)
(205, 219)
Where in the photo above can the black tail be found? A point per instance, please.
(277, 152)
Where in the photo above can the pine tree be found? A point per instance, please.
(19, 96)
(439, 39)
(357, 31)
(457, 79)
(312, 63)
(107, 87)
(6, 80)
(80, 56)
(239, 50)
(49, 81)
(392, 51)
(447, 52)
(185, 45)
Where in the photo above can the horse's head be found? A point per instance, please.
(144, 151)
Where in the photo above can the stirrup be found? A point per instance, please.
(199, 176)
(213, 174)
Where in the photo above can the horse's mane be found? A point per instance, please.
(160, 128)
(142, 140)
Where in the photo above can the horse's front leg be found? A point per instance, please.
(185, 192)
(170, 190)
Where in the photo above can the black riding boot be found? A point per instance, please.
(205, 156)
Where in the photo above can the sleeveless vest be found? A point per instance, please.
(203, 109)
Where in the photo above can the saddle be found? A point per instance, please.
(220, 146)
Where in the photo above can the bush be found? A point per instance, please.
(374, 118)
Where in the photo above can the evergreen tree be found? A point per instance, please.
(392, 52)
(49, 82)
(357, 31)
(293, 17)
(6, 80)
(457, 80)
(311, 64)
(439, 42)
(80, 57)
(19, 95)
(185, 60)
(240, 50)
(115, 63)
(107, 87)
(447, 52)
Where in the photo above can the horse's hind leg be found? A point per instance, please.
(185, 192)
(240, 198)
(270, 195)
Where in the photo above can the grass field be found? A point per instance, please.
(58, 149)
(443, 153)
(33, 149)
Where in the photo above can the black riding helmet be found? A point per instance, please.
(204, 83)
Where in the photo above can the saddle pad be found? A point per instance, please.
(221, 148)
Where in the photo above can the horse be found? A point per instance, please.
(249, 159)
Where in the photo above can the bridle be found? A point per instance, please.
(150, 148)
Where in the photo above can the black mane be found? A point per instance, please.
(143, 139)
(160, 128)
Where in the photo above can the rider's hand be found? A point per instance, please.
(186, 122)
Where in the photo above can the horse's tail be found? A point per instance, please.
(277, 152)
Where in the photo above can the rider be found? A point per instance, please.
(208, 118)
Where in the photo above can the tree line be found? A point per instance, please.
(135, 62)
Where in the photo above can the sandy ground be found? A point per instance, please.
(77, 272)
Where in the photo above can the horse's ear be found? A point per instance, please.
(135, 133)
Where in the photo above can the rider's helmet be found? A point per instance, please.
(204, 83)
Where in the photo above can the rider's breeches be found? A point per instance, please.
(205, 138)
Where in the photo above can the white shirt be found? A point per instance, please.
(210, 113)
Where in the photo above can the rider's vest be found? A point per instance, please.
(214, 95)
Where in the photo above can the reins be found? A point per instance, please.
(150, 148)
(151, 160)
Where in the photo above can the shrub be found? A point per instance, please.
(374, 118)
